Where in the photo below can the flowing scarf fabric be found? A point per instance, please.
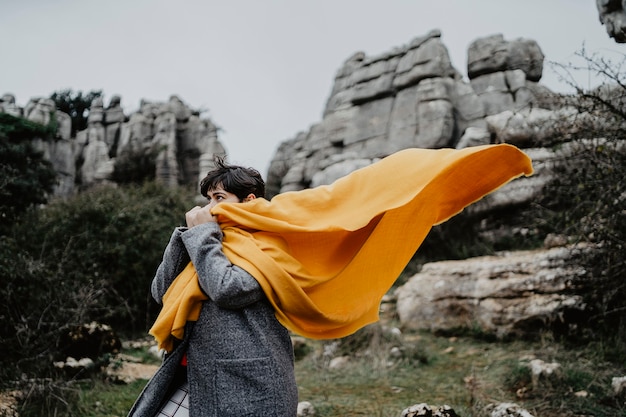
(326, 256)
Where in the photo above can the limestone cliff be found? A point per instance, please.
(411, 96)
(182, 141)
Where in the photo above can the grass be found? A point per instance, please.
(466, 374)
(102, 399)
(463, 372)
(445, 372)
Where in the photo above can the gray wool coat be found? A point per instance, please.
(240, 358)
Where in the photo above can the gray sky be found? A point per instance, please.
(263, 69)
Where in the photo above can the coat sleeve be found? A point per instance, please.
(228, 285)
(175, 258)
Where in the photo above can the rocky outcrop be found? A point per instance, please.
(613, 16)
(60, 151)
(182, 142)
(8, 105)
(508, 294)
(411, 96)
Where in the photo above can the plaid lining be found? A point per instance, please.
(178, 403)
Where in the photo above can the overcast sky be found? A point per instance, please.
(263, 69)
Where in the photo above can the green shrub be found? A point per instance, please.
(518, 378)
(586, 202)
(135, 167)
(89, 258)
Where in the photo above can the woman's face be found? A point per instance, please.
(219, 195)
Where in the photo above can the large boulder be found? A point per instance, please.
(513, 293)
(494, 54)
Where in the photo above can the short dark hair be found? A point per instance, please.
(235, 179)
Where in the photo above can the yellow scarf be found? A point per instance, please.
(326, 256)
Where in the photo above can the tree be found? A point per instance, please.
(76, 105)
(136, 166)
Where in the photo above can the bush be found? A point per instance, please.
(587, 202)
(136, 166)
(90, 258)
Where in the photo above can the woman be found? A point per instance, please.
(236, 359)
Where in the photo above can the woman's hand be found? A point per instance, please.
(199, 215)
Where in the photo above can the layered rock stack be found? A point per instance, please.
(184, 143)
(508, 294)
(411, 96)
(59, 152)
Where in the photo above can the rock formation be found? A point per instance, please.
(409, 97)
(613, 16)
(183, 143)
(58, 151)
(413, 97)
(8, 105)
(509, 294)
